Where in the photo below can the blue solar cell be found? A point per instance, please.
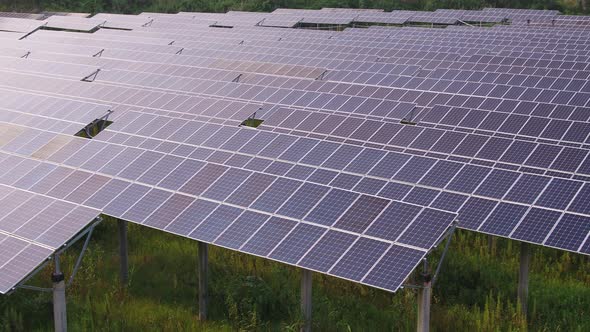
(392, 222)
(327, 251)
(421, 196)
(299, 149)
(269, 235)
(125, 200)
(345, 181)
(441, 173)
(426, 139)
(297, 243)
(556, 129)
(320, 153)
(474, 212)
(470, 145)
(342, 157)
(258, 164)
(536, 225)
(415, 169)
(276, 195)
(391, 271)
(468, 179)
(503, 219)
(389, 165)
(359, 259)
(203, 179)
(331, 207)
(361, 214)
(250, 189)
(300, 172)
(497, 184)
(181, 174)
(449, 201)
(166, 213)
(543, 155)
(395, 191)
(578, 132)
(298, 205)
(258, 142)
(569, 159)
(277, 146)
(160, 170)
(570, 232)
(527, 188)
(365, 161)
(146, 205)
(581, 203)
(494, 148)
(278, 168)
(559, 193)
(191, 217)
(370, 186)
(226, 184)
(448, 142)
(241, 229)
(518, 152)
(322, 176)
(427, 228)
(215, 223)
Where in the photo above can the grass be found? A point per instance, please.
(476, 291)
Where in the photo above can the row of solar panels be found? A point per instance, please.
(330, 181)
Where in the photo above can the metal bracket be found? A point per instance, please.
(425, 273)
(463, 22)
(410, 120)
(99, 54)
(449, 237)
(80, 256)
(91, 77)
(88, 234)
(103, 118)
(147, 24)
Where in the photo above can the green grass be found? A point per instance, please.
(476, 291)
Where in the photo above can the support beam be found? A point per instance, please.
(123, 253)
(203, 272)
(523, 276)
(59, 298)
(424, 297)
(306, 282)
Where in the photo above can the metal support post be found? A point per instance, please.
(306, 282)
(523, 276)
(424, 297)
(123, 253)
(203, 272)
(59, 298)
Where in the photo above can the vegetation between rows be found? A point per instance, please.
(476, 291)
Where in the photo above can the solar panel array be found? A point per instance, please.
(373, 141)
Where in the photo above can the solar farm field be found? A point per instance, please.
(292, 169)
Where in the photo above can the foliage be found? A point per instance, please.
(476, 291)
